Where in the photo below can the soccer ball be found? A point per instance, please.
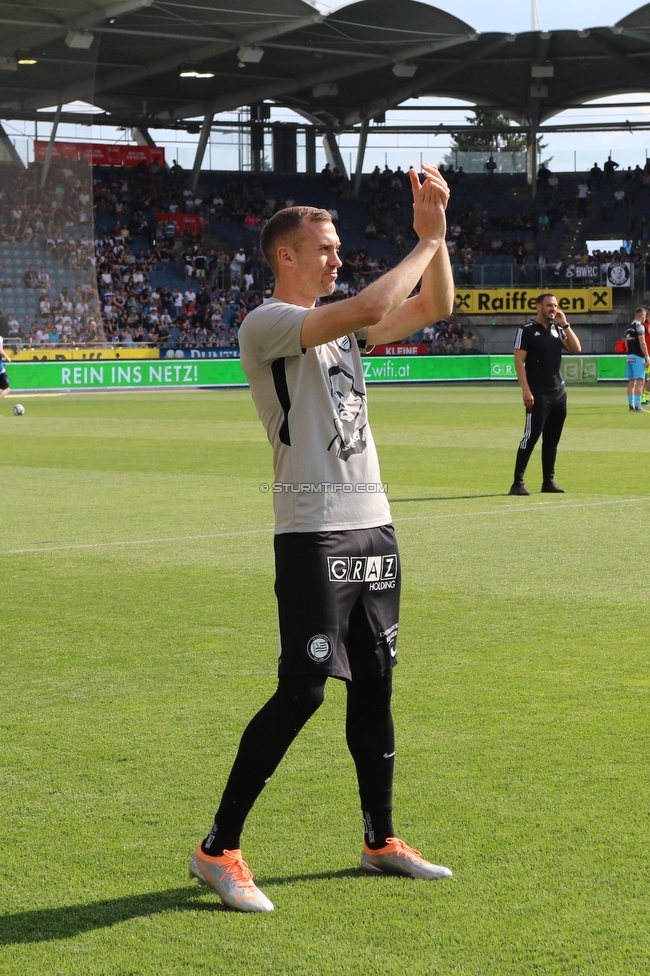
(19, 410)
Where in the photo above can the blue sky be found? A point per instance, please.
(566, 150)
(514, 15)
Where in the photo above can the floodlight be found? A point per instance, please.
(325, 88)
(193, 71)
(81, 40)
(250, 55)
(404, 70)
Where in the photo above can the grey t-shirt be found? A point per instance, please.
(313, 406)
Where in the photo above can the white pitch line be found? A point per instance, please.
(135, 542)
(406, 518)
(520, 508)
(32, 396)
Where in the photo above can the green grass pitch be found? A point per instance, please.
(138, 636)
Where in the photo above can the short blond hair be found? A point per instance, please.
(283, 228)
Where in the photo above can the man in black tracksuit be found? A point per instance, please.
(538, 354)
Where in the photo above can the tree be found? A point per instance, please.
(489, 141)
(507, 138)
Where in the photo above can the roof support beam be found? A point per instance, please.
(141, 136)
(636, 34)
(90, 63)
(405, 91)
(531, 149)
(543, 42)
(303, 111)
(614, 51)
(32, 38)
(8, 152)
(258, 91)
(216, 48)
(50, 145)
(310, 149)
(361, 152)
(333, 153)
(542, 54)
(203, 141)
(320, 125)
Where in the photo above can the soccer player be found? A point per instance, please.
(337, 561)
(637, 360)
(538, 354)
(645, 396)
(4, 379)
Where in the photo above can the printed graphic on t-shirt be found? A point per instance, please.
(351, 414)
(312, 402)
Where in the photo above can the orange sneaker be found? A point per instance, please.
(398, 858)
(231, 878)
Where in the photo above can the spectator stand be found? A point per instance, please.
(47, 264)
(162, 283)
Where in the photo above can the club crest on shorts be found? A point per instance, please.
(319, 648)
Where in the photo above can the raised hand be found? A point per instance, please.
(430, 199)
(431, 172)
(561, 318)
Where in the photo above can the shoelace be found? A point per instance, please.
(239, 870)
(409, 853)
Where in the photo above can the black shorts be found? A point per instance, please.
(4, 381)
(338, 602)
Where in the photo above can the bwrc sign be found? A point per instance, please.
(521, 301)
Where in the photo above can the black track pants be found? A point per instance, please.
(546, 417)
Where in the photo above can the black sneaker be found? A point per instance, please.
(631, 408)
(552, 488)
(518, 488)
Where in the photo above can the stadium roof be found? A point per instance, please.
(335, 69)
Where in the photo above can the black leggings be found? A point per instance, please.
(369, 733)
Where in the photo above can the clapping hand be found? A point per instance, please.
(430, 200)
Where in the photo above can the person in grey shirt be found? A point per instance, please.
(337, 561)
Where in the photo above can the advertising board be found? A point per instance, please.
(512, 301)
(185, 373)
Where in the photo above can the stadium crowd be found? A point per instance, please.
(486, 226)
(117, 301)
(124, 287)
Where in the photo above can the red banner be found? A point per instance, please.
(182, 221)
(401, 349)
(101, 154)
